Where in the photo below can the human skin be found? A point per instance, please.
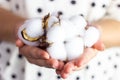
(110, 30)
(8, 25)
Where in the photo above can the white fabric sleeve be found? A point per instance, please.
(113, 11)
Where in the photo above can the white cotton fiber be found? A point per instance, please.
(34, 28)
(20, 35)
(69, 29)
(79, 23)
(57, 51)
(55, 34)
(92, 35)
(74, 47)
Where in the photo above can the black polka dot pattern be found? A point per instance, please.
(51, 0)
(103, 5)
(77, 78)
(115, 66)
(93, 4)
(13, 76)
(73, 2)
(60, 13)
(8, 50)
(8, 0)
(82, 15)
(39, 74)
(91, 70)
(8, 63)
(99, 63)
(23, 70)
(118, 5)
(117, 54)
(92, 76)
(58, 77)
(87, 67)
(20, 56)
(17, 7)
(39, 10)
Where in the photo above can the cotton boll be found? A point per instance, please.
(57, 51)
(34, 28)
(30, 32)
(55, 34)
(69, 29)
(74, 47)
(92, 34)
(79, 23)
(25, 41)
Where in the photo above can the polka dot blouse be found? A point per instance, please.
(105, 66)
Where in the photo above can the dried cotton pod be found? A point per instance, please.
(31, 31)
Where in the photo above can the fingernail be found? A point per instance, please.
(64, 76)
(56, 65)
(46, 56)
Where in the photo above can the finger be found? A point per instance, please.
(68, 68)
(60, 68)
(19, 43)
(33, 52)
(99, 45)
(53, 63)
(88, 54)
(50, 63)
(61, 65)
(40, 62)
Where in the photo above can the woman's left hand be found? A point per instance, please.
(80, 62)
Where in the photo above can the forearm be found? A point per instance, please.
(8, 24)
(110, 32)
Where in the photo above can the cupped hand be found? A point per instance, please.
(79, 63)
(38, 56)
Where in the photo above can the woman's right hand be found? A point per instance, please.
(38, 56)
